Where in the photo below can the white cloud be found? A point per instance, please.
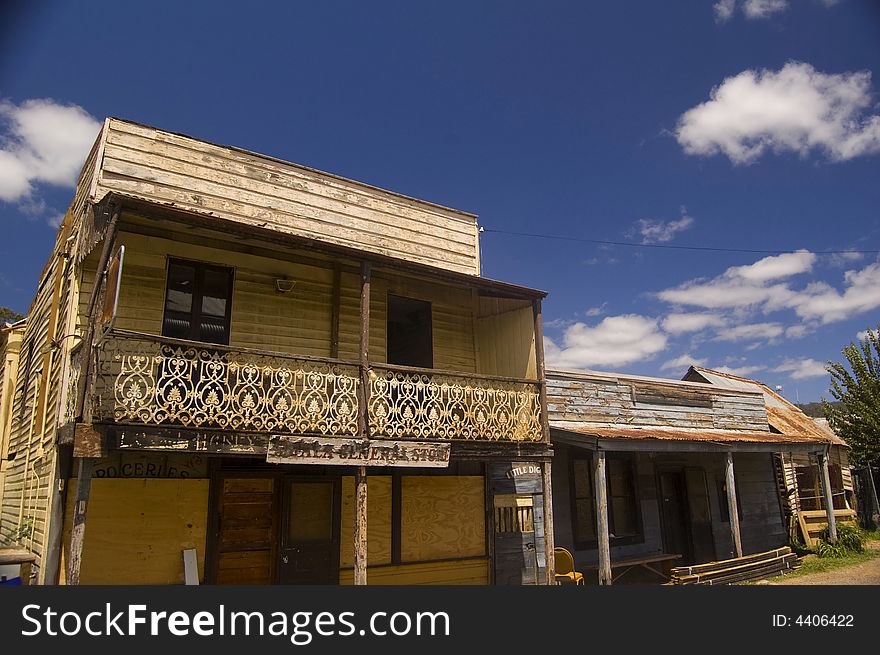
(679, 323)
(615, 341)
(724, 9)
(763, 8)
(796, 331)
(861, 336)
(661, 231)
(743, 286)
(750, 331)
(775, 267)
(747, 289)
(596, 311)
(755, 9)
(821, 302)
(682, 362)
(42, 142)
(801, 369)
(796, 109)
(845, 258)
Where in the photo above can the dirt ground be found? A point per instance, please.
(867, 573)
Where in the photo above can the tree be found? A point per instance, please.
(857, 418)
(7, 314)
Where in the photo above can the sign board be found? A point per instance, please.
(356, 452)
(192, 441)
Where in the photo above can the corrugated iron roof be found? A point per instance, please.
(713, 436)
(782, 415)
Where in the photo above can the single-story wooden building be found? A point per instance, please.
(644, 468)
(801, 478)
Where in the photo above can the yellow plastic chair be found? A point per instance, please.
(565, 573)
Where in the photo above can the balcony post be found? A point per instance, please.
(364, 396)
(549, 542)
(360, 484)
(539, 366)
(83, 410)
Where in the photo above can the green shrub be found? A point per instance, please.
(850, 539)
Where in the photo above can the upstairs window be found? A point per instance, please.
(198, 301)
(409, 338)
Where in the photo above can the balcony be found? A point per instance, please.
(145, 380)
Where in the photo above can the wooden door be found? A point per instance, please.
(674, 515)
(516, 545)
(309, 551)
(700, 515)
(246, 529)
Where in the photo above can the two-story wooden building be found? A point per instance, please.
(303, 378)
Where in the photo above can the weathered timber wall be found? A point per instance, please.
(233, 185)
(628, 402)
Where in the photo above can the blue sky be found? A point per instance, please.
(748, 124)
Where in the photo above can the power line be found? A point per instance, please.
(629, 244)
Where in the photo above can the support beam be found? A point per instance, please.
(549, 542)
(89, 331)
(77, 532)
(732, 508)
(363, 415)
(360, 526)
(602, 518)
(827, 497)
(539, 366)
(334, 311)
(360, 479)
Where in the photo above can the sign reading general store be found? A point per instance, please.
(359, 452)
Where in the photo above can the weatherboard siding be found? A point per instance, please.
(247, 188)
(615, 402)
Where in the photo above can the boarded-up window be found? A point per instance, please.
(624, 518)
(442, 517)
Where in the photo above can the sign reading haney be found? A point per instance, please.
(285, 449)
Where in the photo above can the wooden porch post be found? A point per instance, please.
(732, 508)
(80, 507)
(360, 526)
(828, 497)
(360, 513)
(602, 518)
(549, 542)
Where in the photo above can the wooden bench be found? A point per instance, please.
(647, 562)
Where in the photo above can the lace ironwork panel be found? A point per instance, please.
(443, 406)
(157, 384)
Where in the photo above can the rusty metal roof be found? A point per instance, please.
(709, 436)
(783, 416)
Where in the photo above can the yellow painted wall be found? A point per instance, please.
(137, 528)
(505, 338)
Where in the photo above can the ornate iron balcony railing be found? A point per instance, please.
(148, 380)
(158, 381)
(410, 402)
